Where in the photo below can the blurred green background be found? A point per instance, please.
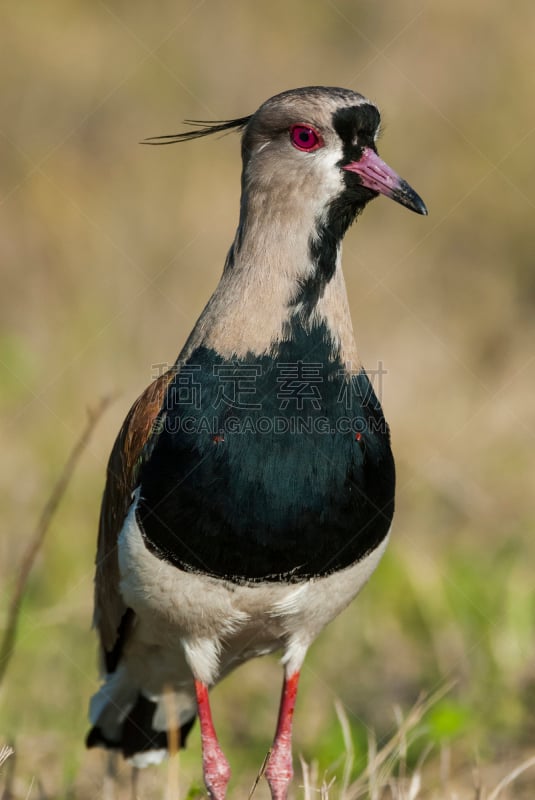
(108, 252)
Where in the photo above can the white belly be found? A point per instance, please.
(220, 624)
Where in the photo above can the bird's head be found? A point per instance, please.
(316, 145)
(322, 140)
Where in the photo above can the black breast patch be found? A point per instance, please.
(271, 468)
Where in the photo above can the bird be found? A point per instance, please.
(250, 491)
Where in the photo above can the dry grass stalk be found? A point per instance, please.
(36, 541)
(378, 782)
(173, 738)
(5, 752)
(511, 777)
(378, 771)
(377, 776)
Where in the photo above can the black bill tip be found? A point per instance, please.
(406, 196)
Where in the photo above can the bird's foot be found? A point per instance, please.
(279, 770)
(215, 767)
(216, 771)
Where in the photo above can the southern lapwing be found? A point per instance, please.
(250, 491)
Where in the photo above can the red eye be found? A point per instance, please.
(305, 138)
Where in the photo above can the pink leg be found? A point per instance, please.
(216, 769)
(279, 771)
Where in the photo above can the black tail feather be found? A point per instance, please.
(137, 734)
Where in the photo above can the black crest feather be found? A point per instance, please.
(207, 129)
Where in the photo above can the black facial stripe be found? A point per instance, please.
(323, 248)
(350, 123)
(356, 122)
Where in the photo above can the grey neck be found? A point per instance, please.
(268, 265)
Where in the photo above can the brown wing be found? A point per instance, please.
(121, 478)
